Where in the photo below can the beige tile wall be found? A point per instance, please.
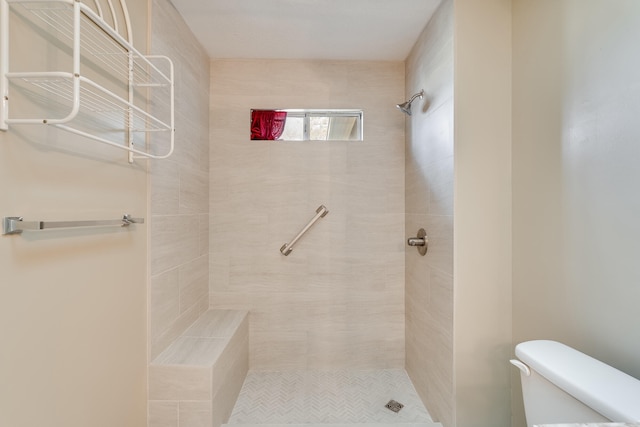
(338, 299)
(179, 188)
(429, 205)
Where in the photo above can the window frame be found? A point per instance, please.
(307, 114)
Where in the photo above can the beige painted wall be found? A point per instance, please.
(482, 212)
(72, 302)
(429, 205)
(179, 189)
(338, 299)
(576, 204)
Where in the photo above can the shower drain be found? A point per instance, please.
(394, 406)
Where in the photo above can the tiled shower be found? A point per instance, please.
(339, 301)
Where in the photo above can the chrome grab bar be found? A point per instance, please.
(321, 212)
(16, 225)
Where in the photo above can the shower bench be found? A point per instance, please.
(199, 376)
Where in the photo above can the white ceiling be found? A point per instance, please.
(307, 29)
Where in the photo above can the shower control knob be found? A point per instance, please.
(416, 241)
(420, 242)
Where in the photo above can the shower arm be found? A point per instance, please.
(419, 94)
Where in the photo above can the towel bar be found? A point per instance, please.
(16, 225)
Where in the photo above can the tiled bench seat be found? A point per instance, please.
(196, 380)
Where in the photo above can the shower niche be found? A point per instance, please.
(81, 73)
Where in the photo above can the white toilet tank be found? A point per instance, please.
(563, 385)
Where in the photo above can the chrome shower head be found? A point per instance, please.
(405, 107)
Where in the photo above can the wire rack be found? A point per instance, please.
(108, 89)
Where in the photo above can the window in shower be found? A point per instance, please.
(307, 125)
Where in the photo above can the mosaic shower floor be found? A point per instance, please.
(321, 397)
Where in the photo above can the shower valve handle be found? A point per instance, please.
(416, 241)
(420, 242)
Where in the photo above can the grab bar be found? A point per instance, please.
(321, 212)
(16, 225)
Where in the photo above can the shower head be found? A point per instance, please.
(405, 107)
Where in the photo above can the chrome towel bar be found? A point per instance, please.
(16, 225)
(321, 212)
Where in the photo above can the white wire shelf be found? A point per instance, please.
(108, 88)
(93, 99)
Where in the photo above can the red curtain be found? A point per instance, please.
(267, 124)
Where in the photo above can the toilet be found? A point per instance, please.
(562, 385)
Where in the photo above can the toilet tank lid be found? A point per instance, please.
(603, 388)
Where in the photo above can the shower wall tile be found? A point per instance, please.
(163, 414)
(203, 233)
(193, 184)
(430, 168)
(179, 383)
(196, 414)
(218, 272)
(440, 233)
(283, 350)
(338, 300)
(429, 204)
(174, 241)
(179, 188)
(441, 187)
(225, 399)
(328, 349)
(194, 282)
(175, 327)
(165, 188)
(164, 302)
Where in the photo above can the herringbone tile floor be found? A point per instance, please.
(320, 397)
